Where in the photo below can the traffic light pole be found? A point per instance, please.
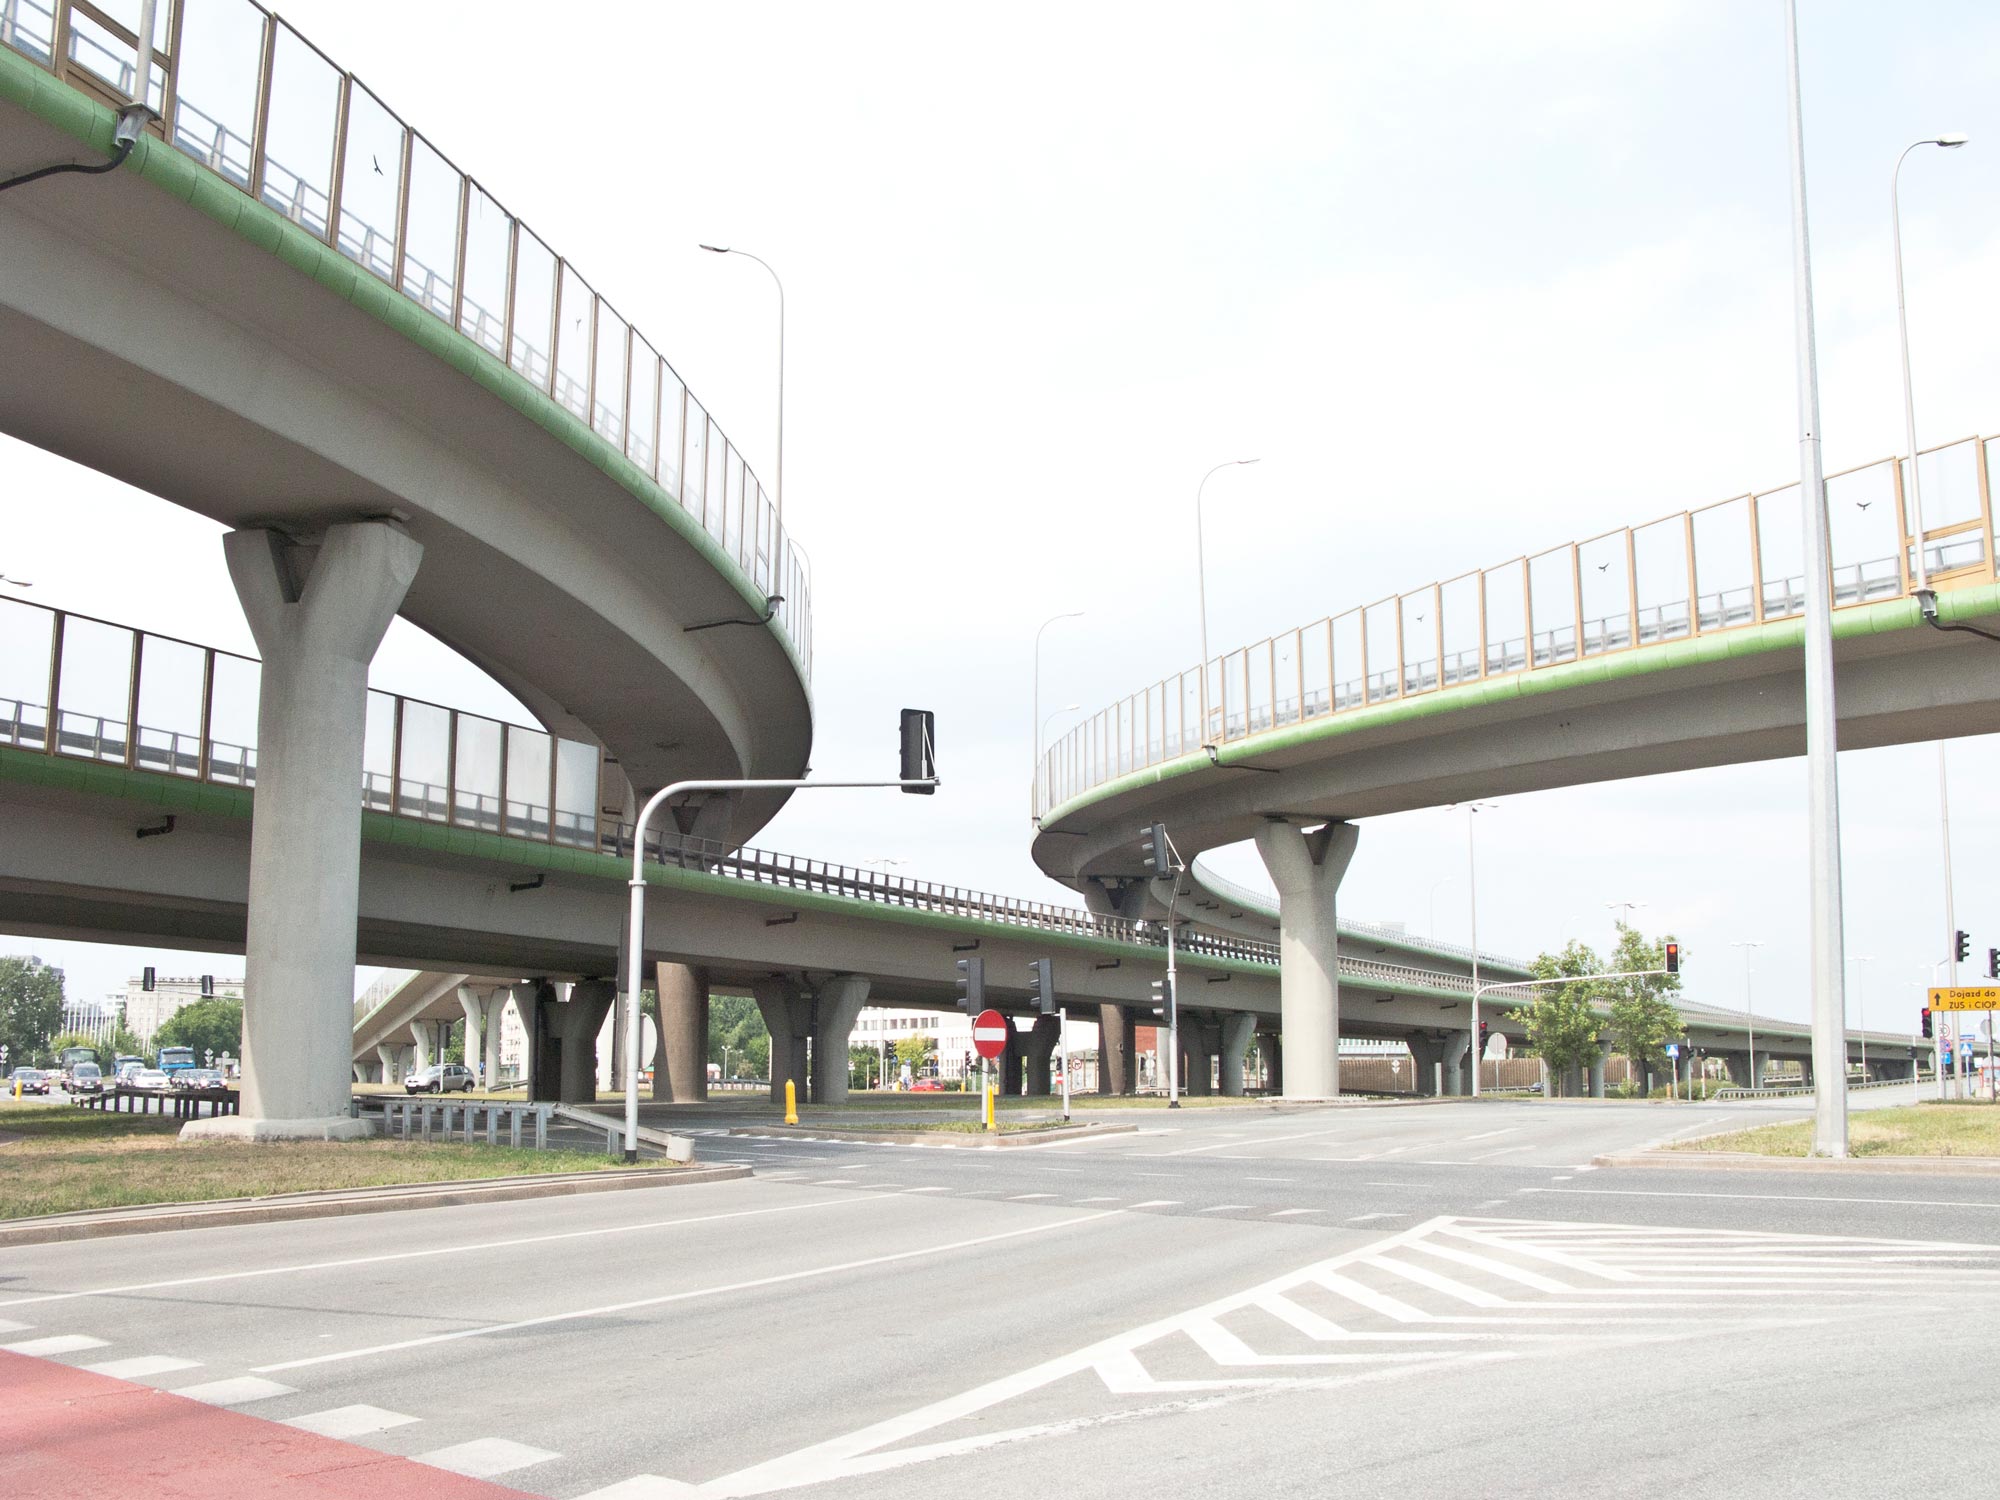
(635, 937)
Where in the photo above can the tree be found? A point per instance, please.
(1563, 1022)
(76, 1039)
(123, 1042)
(916, 1051)
(1643, 1019)
(865, 1062)
(207, 1026)
(735, 1022)
(31, 997)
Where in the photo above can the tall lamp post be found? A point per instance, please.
(1926, 597)
(1035, 745)
(1861, 1001)
(1827, 971)
(728, 250)
(1472, 809)
(1749, 947)
(1201, 587)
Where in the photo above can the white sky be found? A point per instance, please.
(1472, 280)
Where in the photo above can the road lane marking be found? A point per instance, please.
(240, 1391)
(483, 1458)
(1025, 1197)
(779, 1279)
(1286, 1213)
(845, 1200)
(140, 1366)
(1487, 1135)
(1226, 1208)
(61, 1343)
(349, 1421)
(1287, 1181)
(1159, 1203)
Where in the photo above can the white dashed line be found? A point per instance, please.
(60, 1343)
(143, 1365)
(1286, 1213)
(238, 1392)
(350, 1421)
(483, 1458)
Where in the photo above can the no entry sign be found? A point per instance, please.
(989, 1034)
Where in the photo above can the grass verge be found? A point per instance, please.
(1954, 1129)
(68, 1159)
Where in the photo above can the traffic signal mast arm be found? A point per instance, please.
(1521, 984)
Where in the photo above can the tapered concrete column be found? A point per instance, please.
(1737, 1065)
(420, 1033)
(1114, 1050)
(1010, 1064)
(1237, 1029)
(1806, 1071)
(1307, 868)
(1426, 1052)
(1197, 1056)
(1597, 1069)
(680, 1064)
(577, 1021)
(1457, 1048)
(837, 1008)
(496, 1015)
(1274, 1053)
(317, 619)
(474, 1005)
(541, 1069)
(387, 1056)
(787, 1013)
(1038, 1049)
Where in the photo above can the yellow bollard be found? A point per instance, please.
(791, 1102)
(992, 1120)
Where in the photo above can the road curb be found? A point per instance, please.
(1742, 1161)
(951, 1140)
(154, 1219)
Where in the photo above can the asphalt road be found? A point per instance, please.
(1227, 1302)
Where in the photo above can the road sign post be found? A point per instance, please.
(989, 1039)
(1062, 1040)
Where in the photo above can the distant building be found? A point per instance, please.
(146, 1011)
(95, 1019)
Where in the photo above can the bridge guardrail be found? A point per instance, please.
(244, 94)
(1726, 566)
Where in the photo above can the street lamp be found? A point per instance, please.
(1472, 907)
(1201, 587)
(1749, 947)
(1926, 597)
(727, 250)
(1861, 1000)
(19, 583)
(1826, 971)
(1035, 779)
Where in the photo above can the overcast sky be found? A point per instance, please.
(1471, 280)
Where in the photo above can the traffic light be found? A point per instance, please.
(1673, 958)
(1158, 852)
(1964, 948)
(146, 978)
(1927, 1022)
(972, 985)
(1044, 983)
(1484, 1031)
(208, 986)
(919, 751)
(1163, 996)
(1993, 963)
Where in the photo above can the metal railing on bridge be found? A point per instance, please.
(244, 94)
(148, 702)
(1727, 566)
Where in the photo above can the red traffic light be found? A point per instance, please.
(1673, 958)
(1927, 1020)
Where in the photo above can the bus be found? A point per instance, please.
(174, 1059)
(70, 1055)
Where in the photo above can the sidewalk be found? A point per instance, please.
(66, 1434)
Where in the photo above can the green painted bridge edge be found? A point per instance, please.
(1853, 622)
(54, 102)
(155, 789)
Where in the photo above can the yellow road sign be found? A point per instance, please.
(1967, 997)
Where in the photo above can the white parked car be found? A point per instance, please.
(151, 1080)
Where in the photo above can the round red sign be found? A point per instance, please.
(989, 1034)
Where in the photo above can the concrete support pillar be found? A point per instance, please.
(1597, 1069)
(1114, 1050)
(577, 1022)
(496, 1016)
(1307, 868)
(1737, 1065)
(473, 1004)
(680, 1062)
(1011, 1065)
(1426, 1053)
(1457, 1048)
(317, 618)
(1038, 1049)
(787, 1013)
(1806, 1071)
(1237, 1030)
(387, 1056)
(836, 1009)
(420, 1033)
(1274, 1053)
(1198, 1055)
